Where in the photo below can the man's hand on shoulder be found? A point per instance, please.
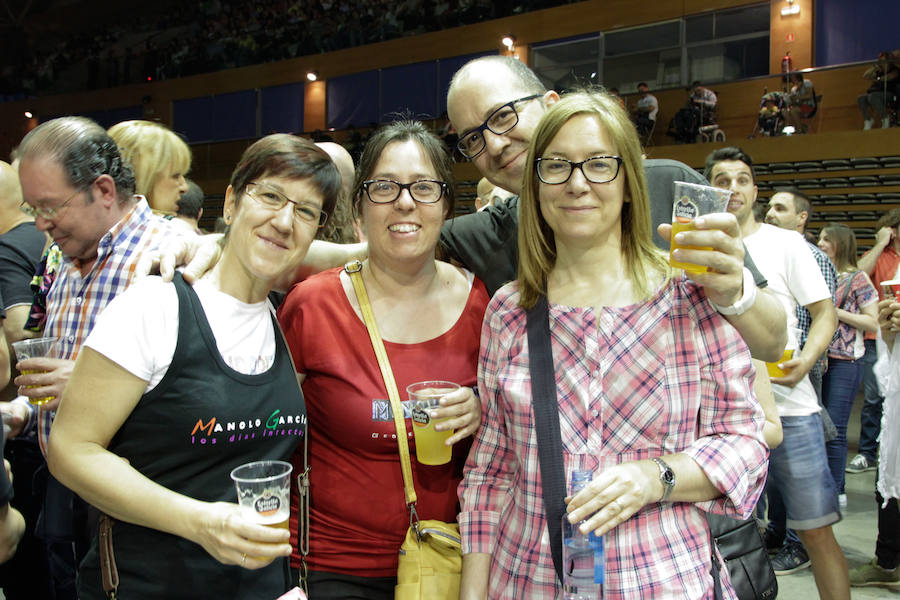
(197, 254)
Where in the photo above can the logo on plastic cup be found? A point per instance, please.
(267, 504)
(684, 211)
(420, 417)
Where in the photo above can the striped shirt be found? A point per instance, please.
(662, 376)
(75, 301)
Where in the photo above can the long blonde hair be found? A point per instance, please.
(152, 149)
(537, 242)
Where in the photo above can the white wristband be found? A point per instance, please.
(746, 300)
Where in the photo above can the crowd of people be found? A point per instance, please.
(200, 37)
(673, 388)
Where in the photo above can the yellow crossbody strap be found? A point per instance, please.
(354, 270)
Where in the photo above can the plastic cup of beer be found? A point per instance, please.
(34, 348)
(425, 396)
(692, 201)
(264, 491)
(792, 344)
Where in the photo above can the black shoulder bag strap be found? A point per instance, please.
(546, 425)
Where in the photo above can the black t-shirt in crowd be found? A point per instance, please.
(20, 252)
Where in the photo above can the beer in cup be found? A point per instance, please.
(264, 491)
(34, 348)
(792, 344)
(692, 201)
(425, 396)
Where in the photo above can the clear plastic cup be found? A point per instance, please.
(430, 446)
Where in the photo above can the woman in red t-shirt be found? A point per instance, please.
(429, 315)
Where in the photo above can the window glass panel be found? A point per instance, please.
(727, 61)
(699, 28)
(657, 69)
(662, 35)
(559, 65)
(750, 19)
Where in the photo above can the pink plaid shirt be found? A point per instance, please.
(662, 376)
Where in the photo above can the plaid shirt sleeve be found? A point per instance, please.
(804, 319)
(491, 464)
(729, 447)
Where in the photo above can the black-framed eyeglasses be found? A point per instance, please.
(596, 169)
(274, 200)
(48, 214)
(471, 143)
(423, 191)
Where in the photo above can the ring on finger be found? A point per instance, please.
(243, 559)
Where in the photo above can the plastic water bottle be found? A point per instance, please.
(583, 566)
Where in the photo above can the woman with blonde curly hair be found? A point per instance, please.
(160, 160)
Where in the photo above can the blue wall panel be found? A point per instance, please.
(281, 109)
(855, 31)
(234, 115)
(409, 90)
(193, 118)
(352, 100)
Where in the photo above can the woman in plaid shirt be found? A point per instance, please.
(645, 369)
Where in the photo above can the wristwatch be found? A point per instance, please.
(746, 300)
(666, 477)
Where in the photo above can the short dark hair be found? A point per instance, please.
(402, 131)
(643, 83)
(191, 202)
(801, 201)
(727, 153)
(285, 155)
(84, 151)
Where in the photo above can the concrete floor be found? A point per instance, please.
(855, 533)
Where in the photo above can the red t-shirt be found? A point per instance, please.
(885, 270)
(358, 515)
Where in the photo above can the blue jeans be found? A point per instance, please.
(838, 390)
(800, 489)
(870, 417)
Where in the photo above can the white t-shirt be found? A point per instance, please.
(794, 277)
(649, 101)
(138, 330)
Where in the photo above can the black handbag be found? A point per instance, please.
(744, 551)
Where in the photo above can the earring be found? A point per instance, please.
(228, 218)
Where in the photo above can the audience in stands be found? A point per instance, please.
(802, 96)
(882, 93)
(193, 38)
(645, 111)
